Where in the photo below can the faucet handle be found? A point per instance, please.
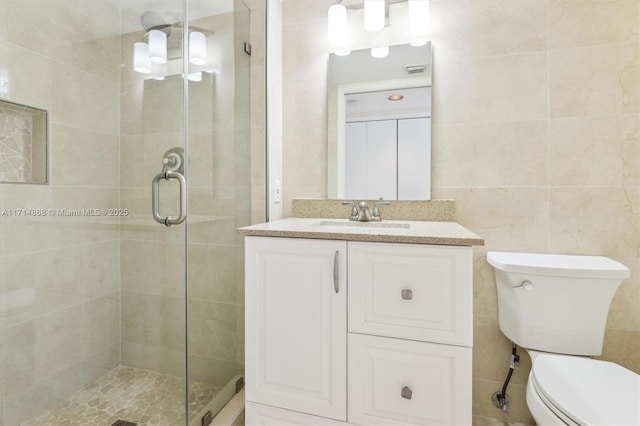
(376, 212)
(354, 209)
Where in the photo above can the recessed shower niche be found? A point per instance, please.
(23, 144)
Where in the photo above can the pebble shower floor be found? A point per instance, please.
(138, 396)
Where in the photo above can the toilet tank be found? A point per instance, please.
(555, 303)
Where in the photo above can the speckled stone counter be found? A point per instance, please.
(389, 231)
(432, 210)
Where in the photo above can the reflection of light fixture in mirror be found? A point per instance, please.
(157, 46)
(141, 60)
(374, 15)
(197, 48)
(419, 20)
(395, 97)
(380, 52)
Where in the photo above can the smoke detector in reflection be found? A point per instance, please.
(395, 97)
(415, 69)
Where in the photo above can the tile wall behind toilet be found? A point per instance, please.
(59, 279)
(535, 135)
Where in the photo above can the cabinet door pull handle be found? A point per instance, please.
(336, 263)
(407, 294)
(406, 392)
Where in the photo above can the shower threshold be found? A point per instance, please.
(129, 396)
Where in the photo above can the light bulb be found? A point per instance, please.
(158, 47)
(337, 24)
(380, 52)
(374, 15)
(197, 48)
(419, 17)
(141, 61)
(342, 52)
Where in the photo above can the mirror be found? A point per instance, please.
(379, 124)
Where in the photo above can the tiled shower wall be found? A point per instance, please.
(536, 123)
(59, 279)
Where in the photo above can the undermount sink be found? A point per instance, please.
(355, 224)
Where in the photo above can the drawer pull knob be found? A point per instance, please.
(407, 294)
(406, 393)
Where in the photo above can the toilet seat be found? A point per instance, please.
(583, 391)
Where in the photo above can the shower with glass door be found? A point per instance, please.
(124, 172)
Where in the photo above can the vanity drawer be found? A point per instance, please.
(411, 291)
(399, 382)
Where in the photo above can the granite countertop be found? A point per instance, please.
(390, 231)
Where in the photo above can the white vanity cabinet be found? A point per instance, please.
(296, 324)
(404, 358)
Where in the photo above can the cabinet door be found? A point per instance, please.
(296, 324)
(411, 291)
(400, 382)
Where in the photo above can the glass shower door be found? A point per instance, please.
(108, 315)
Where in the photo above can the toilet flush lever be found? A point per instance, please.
(525, 285)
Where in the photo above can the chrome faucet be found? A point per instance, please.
(360, 212)
(364, 215)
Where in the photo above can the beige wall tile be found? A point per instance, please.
(153, 321)
(577, 23)
(212, 273)
(490, 154)
(29, 76)
(476, 29)
(599, 80)
(507, 219)
(153, 268)
(161, 360)
(82, 157)
(597, 221)
(212, 330)
(40, 233)
(504, 88)
(624, 313)
(85, 101)
(622, 347)
(595, 151)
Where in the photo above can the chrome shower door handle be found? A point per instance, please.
(169, 220)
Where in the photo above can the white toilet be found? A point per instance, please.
(556, 307)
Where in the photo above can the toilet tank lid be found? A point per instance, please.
(560, 265)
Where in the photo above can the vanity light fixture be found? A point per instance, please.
(376, 18)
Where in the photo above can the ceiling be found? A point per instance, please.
(131, 10)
